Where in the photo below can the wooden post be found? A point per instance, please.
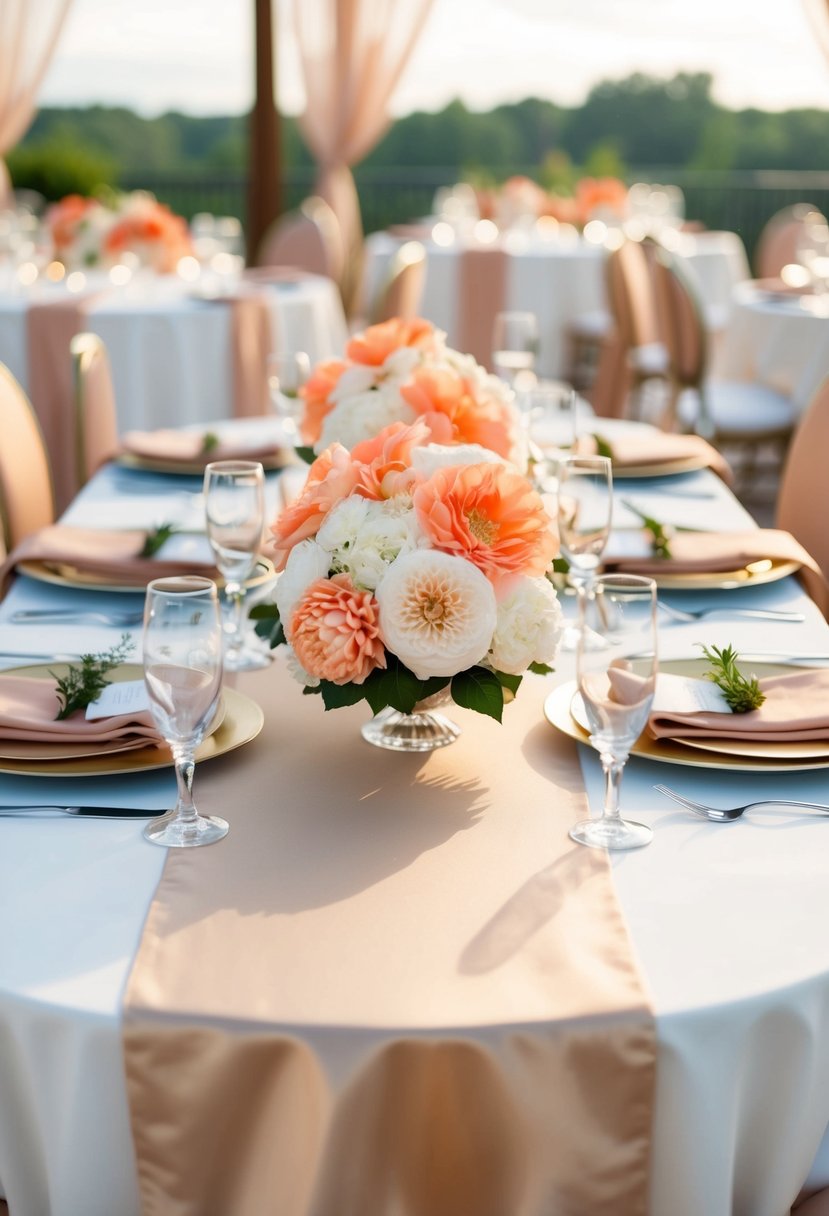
(264, 184)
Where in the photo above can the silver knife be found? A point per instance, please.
(84, 812)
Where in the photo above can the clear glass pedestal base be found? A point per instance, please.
(611, 833)
(417, 732)
(175, 833)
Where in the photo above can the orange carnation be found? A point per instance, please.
(335, 631)
(316, 394)
(454, 413)
(331, 477)
(374, 345)
(385, 461)
(490, 515)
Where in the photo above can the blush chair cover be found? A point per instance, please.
(803, 499)
(309, 239)
(96, 426)
(26, 497)
(777, 245)
(632, 352)
(402, 293)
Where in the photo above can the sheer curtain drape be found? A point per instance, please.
(818, 14)
(353, 53)
(29, 31)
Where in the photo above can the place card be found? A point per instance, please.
(687, 695)
(126, 697)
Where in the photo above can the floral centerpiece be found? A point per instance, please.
(520, 198)
(401, 371)
(411, 569)
(90, 232)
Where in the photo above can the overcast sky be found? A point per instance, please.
(196, 55)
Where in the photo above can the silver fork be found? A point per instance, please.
(44, 616)
(727, 814)
(699, 614)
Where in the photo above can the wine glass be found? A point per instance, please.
(617, 692)
(286, 375)
(183, 676)
(585, 507)
(234, 502)
(515, 346)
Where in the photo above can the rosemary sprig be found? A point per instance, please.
(210, 441)
(84, 682)
(742, 694)
(155, 539)
(661, 534)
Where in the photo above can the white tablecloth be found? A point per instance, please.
(559, 280)
(729, 923)
(170, 350)
(781, 341)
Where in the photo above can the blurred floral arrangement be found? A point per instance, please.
(98, 232)
(411, 568)
(520, 198)
(402, 371)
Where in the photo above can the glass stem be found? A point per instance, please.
(613, 770)
(185, 765)
(236, 599)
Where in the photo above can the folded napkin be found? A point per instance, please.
(187, 447)
(643, 448)
(111, 555)
(28, 708)
(796, 710)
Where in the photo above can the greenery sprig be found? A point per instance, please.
(210, 441)
(661, 534)
(155, 539)
(84, 682)
(603, 447)
(742, 694)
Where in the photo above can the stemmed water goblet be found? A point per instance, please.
(234, 502)
(286, 375)
(585, 508)
(515, 347)
(183, 677)
(617, 693)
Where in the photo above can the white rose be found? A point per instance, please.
(437, 612)
(342, 524)
(307, 562)
(362, 417)
(433, 456)
(528, 628)
(354, 381)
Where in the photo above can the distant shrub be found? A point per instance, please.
(54, 169)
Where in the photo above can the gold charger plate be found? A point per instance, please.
(767, 570)
(238, 721)
(195, 468)
(687, 464)
(64, 575)
(563, 711)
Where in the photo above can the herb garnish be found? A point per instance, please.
(660, 533)
(84, 683)
(603, 448)
(155, 539)
(742, 694)
(210, 441)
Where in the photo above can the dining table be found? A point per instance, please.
(391, 881)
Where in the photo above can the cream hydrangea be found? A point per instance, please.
(362, 416)
(363, 537)
(528, 625)
(437, 612)
(433, 456)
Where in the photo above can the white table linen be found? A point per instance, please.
(728, 922)
(170, 350)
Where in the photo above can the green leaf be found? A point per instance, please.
(400, 687)
(154, 539)
(480, 690)
(306, 454)
(507, 680)
(561, 565)
(84, 682)
(268, 625)
(311, 690)
(660, 533)
(603, 447)
(335, 696)
(741, 693)
(209, 443)
(540, 669)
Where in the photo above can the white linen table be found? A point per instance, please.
(728, 922)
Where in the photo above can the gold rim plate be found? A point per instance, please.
(195, 468)
(238, 721)
(563, 711)
(685, 464)
(63, 575)
(768, 570)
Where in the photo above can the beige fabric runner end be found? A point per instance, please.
(396, 987)
(482, 293)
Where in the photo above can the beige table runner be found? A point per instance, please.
(395, 989)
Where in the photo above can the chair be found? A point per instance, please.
(803, 500)
(816, 1205)
(309, 239)
(96, 426)
(777, 245)
(743, 413)
(27, 500)
(401, 294)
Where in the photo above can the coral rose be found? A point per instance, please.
(374, 345)
(316, 394)
(384, 463)
(456, 414)
(490, 515)
(331, 477)
(335, 631)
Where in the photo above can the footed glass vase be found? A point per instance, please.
(423, 730)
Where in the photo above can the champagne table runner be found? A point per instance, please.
(395, 987)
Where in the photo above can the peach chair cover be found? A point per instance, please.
(96, 426)
(815, 1205)
(631, 353)
(402, 294)
(309, 239)
(803, 499)
(26, 496)
(683, 327)
(777, 245)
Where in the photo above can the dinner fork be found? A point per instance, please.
(727, 814)
(700, 614)
(54, 615)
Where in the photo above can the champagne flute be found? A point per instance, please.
(234, 502)
(515, 346)
(617, 693)
(585, 507)
(183, 676)
(286, 375)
